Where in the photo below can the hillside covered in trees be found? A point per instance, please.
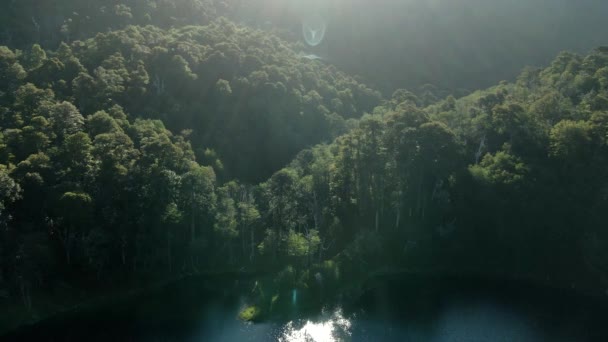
(161, 149)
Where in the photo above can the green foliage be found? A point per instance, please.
(237, 93)
(300, 245)
(137, 151)
(9, 190)
(501, 168)
(571, 139)
(225, 219)
(74, 206)
(250, 314)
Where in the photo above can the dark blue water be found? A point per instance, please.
(396, 309)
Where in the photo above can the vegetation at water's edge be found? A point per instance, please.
(166, 151)
(250, 314)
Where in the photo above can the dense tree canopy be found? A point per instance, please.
(241, 92)
(168, 149)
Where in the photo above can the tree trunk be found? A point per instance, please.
(169, 258)
(192, 226)
(68, 256)
(321, 252)
(315, 210)
(192, 263)
(398, 218)
(309, 246)
(25, 294)
(66, 241)
(377, 216)
(378, 200)
(243, 242)
(123, 250)
(420, 192)
(424, 203)
(252, 245)
(230, 251)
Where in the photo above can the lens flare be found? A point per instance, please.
(313, 29)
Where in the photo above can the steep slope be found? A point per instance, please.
(243, 93)
(509, 181)
(51, 22)
(114, 150)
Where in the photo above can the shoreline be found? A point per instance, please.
(117, 295)
(350, 292)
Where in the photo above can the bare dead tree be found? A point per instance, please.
(158, 84)
(482, 146)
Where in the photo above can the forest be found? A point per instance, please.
(144, 140)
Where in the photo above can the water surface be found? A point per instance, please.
(397, 309)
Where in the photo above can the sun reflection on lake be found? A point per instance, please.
(333, 328)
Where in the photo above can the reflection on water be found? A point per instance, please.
(335, 328)
(402, 309)
(456, 321)
(484, 322)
